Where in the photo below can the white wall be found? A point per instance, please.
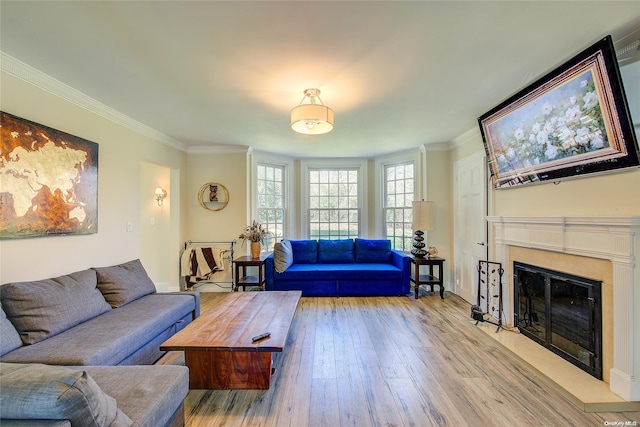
(122, 154)
(157, 252)
(230, 170)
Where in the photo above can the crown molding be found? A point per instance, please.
(37, 78)
(436, 146)
(472, 134)
(219, 149)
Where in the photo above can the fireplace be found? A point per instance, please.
(561, 312)
(574, 245)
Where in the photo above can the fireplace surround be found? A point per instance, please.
(609, 241)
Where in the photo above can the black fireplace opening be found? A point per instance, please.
(562, 312)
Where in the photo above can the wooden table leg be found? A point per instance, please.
(431, 275)
(416, 282)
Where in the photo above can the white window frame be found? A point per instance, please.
(360, 166)
(289, 199)
(418, 157)
(275, 237)
(407, 208)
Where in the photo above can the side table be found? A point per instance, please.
(427, 279)
(245, 280)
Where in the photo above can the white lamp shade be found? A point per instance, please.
(422, 215)
(312, 119)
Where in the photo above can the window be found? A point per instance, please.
(334, 211)
(270, 194)
(398, 195)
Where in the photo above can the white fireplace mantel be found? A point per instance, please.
(616, 239)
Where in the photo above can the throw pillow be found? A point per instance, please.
(41, 309)
(304, 251)
(120, 284)
(373, 251)
(34, 391)
(10, 338)
(335, 251)
(282, 256)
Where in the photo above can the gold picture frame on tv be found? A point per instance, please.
(572, 122)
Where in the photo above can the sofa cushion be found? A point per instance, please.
(372, 251)
(304, 251)
(120, 284)
(44, 308)
(282, 256)
(335, 251)
(33, 391)
(149, 395)
(342, 271)
(113, 337)
(10, 338)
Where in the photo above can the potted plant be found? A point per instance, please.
(255, 233)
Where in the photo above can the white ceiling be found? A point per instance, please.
(397, 74)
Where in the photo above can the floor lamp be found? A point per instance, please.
(422, 214)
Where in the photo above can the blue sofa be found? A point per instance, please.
(343, 267)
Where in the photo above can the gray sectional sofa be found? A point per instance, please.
(99, 320)
(35, 395)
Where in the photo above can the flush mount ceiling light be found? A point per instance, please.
(312, 118)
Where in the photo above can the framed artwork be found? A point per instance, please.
(572, 122)
(48, 181)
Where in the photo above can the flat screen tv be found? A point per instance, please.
(572, 122)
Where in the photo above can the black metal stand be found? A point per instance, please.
(488, 306)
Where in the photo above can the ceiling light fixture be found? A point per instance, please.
(312, 118)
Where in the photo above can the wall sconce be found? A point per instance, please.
(161, 194)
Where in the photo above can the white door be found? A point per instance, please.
(469, 234)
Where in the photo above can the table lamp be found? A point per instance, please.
(422, 214)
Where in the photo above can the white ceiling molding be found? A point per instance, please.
(628, 48)
(438, 146)
(472, 134)
(22, 71)
(219, 149)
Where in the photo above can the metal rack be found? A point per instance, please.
(226, 279)
(488, 306)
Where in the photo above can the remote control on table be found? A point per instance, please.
(261, 337)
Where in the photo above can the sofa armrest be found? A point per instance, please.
(194, 294)
(403, 262)
(269, 271)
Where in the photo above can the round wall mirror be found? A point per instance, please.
(213, 196)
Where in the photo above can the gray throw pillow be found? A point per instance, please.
(10, 340)
(120, 284)
(34, 391)
(44, 308)
(282, 256)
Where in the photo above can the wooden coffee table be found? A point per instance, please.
(217, 345)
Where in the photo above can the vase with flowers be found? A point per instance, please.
(256, 234)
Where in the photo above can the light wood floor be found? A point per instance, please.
(390, 361)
